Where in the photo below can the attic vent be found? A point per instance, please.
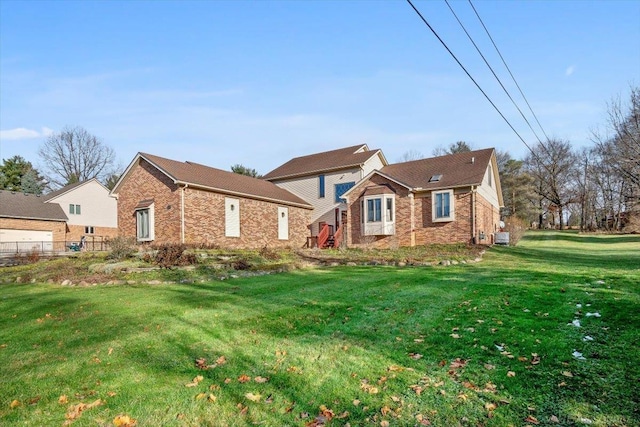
(435, 178)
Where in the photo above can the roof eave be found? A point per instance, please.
(245, 195)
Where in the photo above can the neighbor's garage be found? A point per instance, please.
(26, 240)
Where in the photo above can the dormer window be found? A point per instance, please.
(435, 178)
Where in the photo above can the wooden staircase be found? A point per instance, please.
(328, 240)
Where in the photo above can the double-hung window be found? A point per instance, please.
(442, 206)
(74, 209)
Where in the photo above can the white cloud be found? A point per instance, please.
(18, 134)
(569, 71)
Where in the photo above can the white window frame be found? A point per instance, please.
(88, 229)
(231, 217)
(434, 212)
(383, 222)
(151, 223)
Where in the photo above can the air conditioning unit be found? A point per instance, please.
(502, 238)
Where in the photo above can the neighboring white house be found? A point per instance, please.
(91, 212)
(322, 178)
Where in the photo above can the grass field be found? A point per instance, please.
(483, 344)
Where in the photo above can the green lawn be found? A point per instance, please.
(487, 343)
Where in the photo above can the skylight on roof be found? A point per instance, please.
(435, 178)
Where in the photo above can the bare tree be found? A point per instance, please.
(410, 155)
(618, 150)
(74, 155)
(552, 167)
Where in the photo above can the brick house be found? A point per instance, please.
(58, 219)
(167, 201)
(321, 179)
(28, 223)
(447, 199)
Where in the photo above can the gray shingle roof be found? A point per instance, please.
(326, 161)
(224, 181)
(29, 206)
(457, 170)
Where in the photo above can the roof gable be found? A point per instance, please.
(29, 206)
(456, 170)
(326, 161)
(68, 188)
(212, 179)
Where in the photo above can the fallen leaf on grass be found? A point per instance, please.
(253, 397)
(124, 421)
(531, 419)
(200, 396)
(490, 406)
(511, 374)
(554, 419)
(14, 404)
(195, 381)
(454, 336)
(415, 356)
(368, 387)
(567, 374)
(63, 400)
(384, 423)
(211, 398)
(458, 363)
(489, 367)
(244, 378)
(355, 402)
(260, 379)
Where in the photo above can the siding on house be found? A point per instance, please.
(300, 176)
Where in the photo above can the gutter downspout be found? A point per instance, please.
(182, 213)
(473, 215)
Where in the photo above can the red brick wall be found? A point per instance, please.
(57, 227)
(402, 217)
(203, 214)
(487, 220)
(75, 232)
(458, 231)
(425, 231)
(146, 182)
(205, 222)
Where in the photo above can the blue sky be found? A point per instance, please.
(260, 82)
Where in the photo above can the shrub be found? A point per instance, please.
(241, 264)
(122, 247)
(173, 255)
(515, 227)
(269, 254)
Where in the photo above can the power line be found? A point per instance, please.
(509, 70)
(469, 75)
(492, 71)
